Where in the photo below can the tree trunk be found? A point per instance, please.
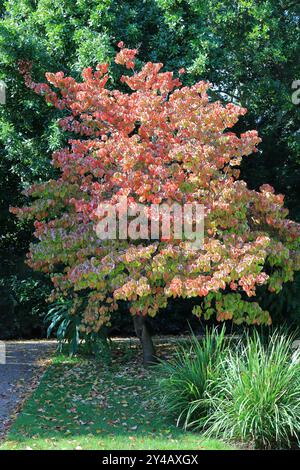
(144, 336)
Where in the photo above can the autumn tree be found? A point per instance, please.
(246, 49)
(153, 142)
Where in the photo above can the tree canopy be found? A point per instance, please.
(158, 142)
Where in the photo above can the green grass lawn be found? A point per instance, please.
(82, 405)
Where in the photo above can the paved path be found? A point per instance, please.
(25, 363)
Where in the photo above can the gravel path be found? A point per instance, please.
(25, 363)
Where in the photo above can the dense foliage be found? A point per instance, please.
(158, 142)
(22, 307)
(247, 49)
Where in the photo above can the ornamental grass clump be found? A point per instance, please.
(255, 398)
(183, 379)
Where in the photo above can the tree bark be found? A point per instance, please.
(144, 336)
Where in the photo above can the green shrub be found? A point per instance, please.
(64, 323)
(255, 397)
(185, 376)
(64, 320)
(22, 307)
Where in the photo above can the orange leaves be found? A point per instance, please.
(176, 287)
(126, 56)
(157, 142)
